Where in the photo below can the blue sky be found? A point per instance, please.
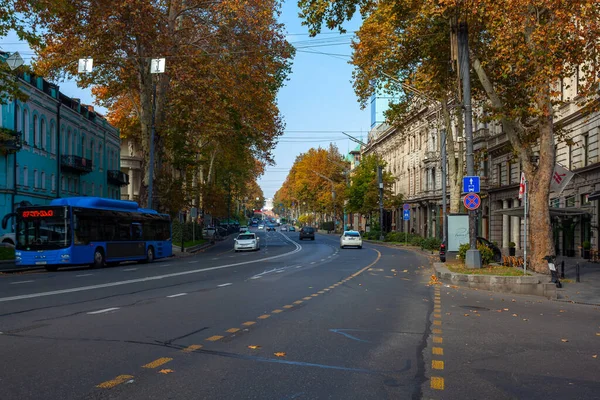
(317, 102)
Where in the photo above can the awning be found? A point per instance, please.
(594, 196)
(554, 212)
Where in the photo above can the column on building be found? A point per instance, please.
(130, 186)
(516, 229)
(505, 226)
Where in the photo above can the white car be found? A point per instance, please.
(351, 238)
(283, 229)
(246, 241)
(261, 226)
(243, 228)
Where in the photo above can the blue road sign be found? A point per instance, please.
(406, 215)
(406, 206)
(471, 184)
(472, 201)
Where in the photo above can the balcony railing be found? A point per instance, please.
(432, 155)
(117, 177)
(10, 141)
(76, 164)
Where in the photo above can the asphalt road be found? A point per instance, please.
(295, 320)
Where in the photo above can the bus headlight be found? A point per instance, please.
(17, 258)
(65, 256)
(18, 253)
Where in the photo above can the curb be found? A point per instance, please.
(530, 285)
(193, 249)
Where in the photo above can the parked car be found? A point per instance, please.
(292, 229)
(351, 238)
(8, 239)
(261, 226)
(271, 227)
(246, 241)
(284, 229)
(307, 232)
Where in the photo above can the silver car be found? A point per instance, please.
(246, 241)
(351, 238)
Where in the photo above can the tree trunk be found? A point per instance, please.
(455, 169)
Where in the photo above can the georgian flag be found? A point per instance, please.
(522, 186)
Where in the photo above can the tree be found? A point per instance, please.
(363, 192)
(520, 51)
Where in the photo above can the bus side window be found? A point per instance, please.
(136, 231)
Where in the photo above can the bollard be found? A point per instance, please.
(562, 269)
(577, 273)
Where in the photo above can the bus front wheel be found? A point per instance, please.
(99, 261)
(150, 254)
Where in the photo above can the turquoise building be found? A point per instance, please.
(53, 146)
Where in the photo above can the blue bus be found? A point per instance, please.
(90, 231)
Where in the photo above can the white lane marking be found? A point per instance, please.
(165, 265)
(149, 278)
(322, 259)
(177, 295)
(18, 283)
(79, 276)
(225, 284)
(130, 269)
(299, 266)
(279, 272)
(103, 311)
(314, 262)
(193, 262)
(256, 277)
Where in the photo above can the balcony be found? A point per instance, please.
(76, 164)
(431, 156)
(117, 177)
(10, 141)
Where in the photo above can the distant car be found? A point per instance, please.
(271, 228)
(292, 229)
(307, 232)
(261, 226)
(283, 229)
(246, 241)
(243, 228)
(209, 232)
(351, 238)
(8, 239)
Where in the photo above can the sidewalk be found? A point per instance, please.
(587, 291)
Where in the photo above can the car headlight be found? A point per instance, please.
(18, 253)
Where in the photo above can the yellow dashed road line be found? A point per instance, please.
(232, 330)
(288, 306)
(437, 383)
(277, 311)
(114, 382)
(191, 348)
(248, 323)
(437, 339)
(214, 338)
(264, 316)
(437, 364)
(157, 363)
(298, 302)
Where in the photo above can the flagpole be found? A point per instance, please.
(525, 233)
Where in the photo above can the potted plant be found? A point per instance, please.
(586, 246)
(511, 248)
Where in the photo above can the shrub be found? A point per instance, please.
(327, 226)
(487, 254)
(373, 235)
(415, 240)
(394, 237)
(187, 231)
(431, 244)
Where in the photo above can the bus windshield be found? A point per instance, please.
(43, 229)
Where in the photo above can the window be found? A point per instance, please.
(63, 185)
(92, 153)
(53, 135)
(585, 149)
(53, 182)
(570, 201)
(100, 156)
(43, 178)
(433, 178)
(71, 185)
(83, 147)
(25, 177)
(585, 200)
(69, 143)
(570, 154)
(101, 194)
(43, 132)
(499, 174)
(18, 174)
(555, 203)
(18, 115)
(36, 132)
(93, 189)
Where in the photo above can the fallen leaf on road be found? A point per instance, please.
(505, 309)
(515, 315)
(597, 333)
(562, 311)
(405, 270)
(253, 347)
(595, 356)
(466, 315)
(280, 354)
(525, 319)
(513, 300)
(165, 371)
(448, 313)
(564, 340)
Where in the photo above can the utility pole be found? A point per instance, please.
(473, 257)
(380, 180)
(444, 177)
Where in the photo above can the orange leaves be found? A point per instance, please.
(279, 354)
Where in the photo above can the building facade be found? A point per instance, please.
(53, 146)
(412, 154)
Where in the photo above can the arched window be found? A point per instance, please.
(36, 132)
(44, 134)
